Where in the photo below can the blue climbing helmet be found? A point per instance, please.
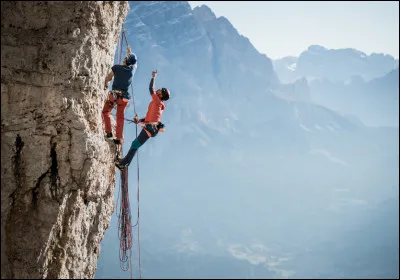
(130, 59)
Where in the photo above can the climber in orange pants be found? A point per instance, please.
(114, 99)
(119, 95)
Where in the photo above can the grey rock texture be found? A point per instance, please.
(57, 172)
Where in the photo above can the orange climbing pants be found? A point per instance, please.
(109, 104)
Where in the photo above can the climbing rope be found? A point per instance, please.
(137, 169)
(124, 217)
(138, 174)
(124, 222)
(138, 188)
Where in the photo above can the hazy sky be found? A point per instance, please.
(285, 28)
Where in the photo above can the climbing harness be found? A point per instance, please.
(154, 128)
(113, 96)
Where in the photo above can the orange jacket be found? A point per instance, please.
(156, 106)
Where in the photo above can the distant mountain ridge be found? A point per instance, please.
(348, 81)
(375, 102)
(318, 62)
(243, 152)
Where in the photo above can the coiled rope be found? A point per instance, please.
(124, 216)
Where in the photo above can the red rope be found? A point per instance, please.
(124, 218)
(124, 36)
(138, 177)
(120, 51)
(124, 224)
(138, 208)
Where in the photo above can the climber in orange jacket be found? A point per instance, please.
(119, 95)
(151, 123)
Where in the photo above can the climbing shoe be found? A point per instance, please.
(119, 165)
(109, 135)
(117, 141)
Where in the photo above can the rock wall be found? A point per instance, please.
(57, 172)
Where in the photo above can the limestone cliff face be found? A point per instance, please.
(57, 173)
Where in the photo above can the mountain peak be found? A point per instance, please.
(203, 13)
(316, 48)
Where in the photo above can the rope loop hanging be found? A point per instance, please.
(124, 217)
